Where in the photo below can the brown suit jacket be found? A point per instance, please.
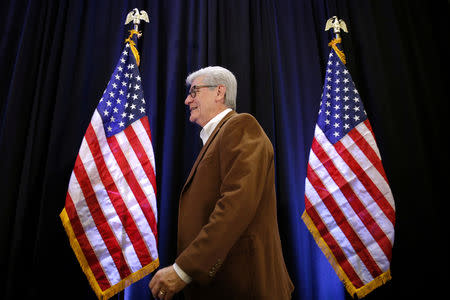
(228, 239)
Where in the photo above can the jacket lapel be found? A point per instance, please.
(206, 146)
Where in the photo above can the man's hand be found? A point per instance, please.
(166, 283)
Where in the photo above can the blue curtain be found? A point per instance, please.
(56, 59)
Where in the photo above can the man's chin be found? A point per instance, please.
(192, 119)
(193, 114)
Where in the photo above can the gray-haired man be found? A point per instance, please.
(228, 241)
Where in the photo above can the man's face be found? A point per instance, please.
(204, 106)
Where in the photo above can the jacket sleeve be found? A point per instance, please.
(245, 154)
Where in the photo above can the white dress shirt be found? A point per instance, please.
(211, 125)
(205, 133)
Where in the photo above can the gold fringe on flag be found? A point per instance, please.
(351, 289)
(340, 53)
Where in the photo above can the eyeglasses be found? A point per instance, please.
(195, 88)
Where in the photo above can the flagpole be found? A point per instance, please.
(136, 17)
(337, 25)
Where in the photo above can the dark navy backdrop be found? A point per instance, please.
(56, 59)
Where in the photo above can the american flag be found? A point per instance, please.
(110, 214)
(349, 207)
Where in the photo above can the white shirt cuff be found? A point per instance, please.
(185, 277)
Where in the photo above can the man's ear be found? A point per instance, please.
(220, 96)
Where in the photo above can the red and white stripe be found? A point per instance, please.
(111, 201)
(349, 200)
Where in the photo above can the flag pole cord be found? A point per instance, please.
(337, 25)
(135, 16)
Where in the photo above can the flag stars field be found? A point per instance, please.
(340, 87)
(124, 112)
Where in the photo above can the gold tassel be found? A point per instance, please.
(133, 45)
(340, 53)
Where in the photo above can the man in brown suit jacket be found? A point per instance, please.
(228, 241)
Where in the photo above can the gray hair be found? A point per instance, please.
(218, 75)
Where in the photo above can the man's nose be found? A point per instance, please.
(188, 99)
